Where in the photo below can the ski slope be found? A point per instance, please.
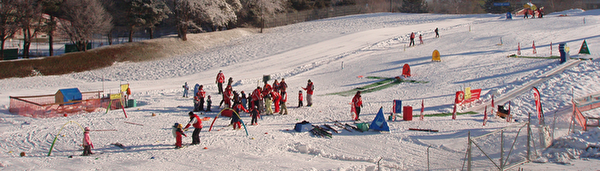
(367, 45)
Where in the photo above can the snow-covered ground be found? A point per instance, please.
(367, 45)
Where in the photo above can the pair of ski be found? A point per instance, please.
(318, 131)
(347, 126)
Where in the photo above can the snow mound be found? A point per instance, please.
(576, 145)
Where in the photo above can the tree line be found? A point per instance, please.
(80, 20)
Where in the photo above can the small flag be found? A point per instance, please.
(485, 117)
(422, 108)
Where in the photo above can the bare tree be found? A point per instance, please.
(30, 21)
(8, 22)
(84, 18)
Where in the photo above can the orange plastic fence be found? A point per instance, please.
(44, 106)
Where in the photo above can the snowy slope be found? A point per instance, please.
(368, 45)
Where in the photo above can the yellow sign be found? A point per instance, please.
(115, 96)
(124, 87)
(436, 56)
(468, 93)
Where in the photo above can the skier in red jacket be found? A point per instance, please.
(309, 92)
(220, 80)
(177, 133)
(300, 99)
(195, 120)
(199, 99)
(257, 97)
(356, 104)
(276, 100)
(412, 39)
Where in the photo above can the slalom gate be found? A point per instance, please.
(583, 104)
(45, 106)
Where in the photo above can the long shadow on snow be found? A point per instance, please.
(499, 75)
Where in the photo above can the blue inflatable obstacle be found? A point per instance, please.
(379, 122)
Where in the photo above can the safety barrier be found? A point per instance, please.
(44, 106)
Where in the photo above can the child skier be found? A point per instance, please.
(254, 113)
(268, 102)
(300, 98)
(235, 118)
(421, 38)
(208, 104)
(177, 132)
(185, 90)
(195, 120)
(87, 142)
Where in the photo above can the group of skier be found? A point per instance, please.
(413, 35)
(260, 100)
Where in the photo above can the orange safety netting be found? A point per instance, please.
(45, 106)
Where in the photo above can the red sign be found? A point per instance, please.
(460, 95)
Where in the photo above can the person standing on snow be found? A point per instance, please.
(177, 133)
(276, 86)
(220, 80)
(254, 113)
(227, 96)
(282, 87)
(309, 92)
(195, 120)
(300, 99)
(276, 100)
(257, 97)
(412, 39)
(185, 90)
(268, 102)
(208, 104)
(356, 105)
(421, 38)
(87, 142)
(282, 103)
(437, 34)
(244, 99)
(200, 98)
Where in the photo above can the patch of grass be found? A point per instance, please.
(380, 85)
(542, 57)
(444, 114)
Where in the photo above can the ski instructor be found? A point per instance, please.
(220, 80)
(195, 120)
(309, 92)
(356, 105)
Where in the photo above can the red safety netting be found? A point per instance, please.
(45, 106)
